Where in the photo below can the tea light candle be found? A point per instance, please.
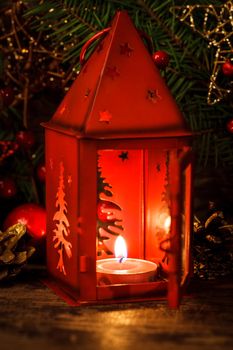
(123, 270)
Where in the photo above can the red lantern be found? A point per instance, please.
(118, 137)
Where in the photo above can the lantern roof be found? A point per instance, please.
(119, 92)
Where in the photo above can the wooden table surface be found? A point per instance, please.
(33, 317)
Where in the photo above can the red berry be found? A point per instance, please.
(41, 172)
(227, 68)
(25, 138)
(230, 126)
(8, 188)
(30, 214)
(161, 59)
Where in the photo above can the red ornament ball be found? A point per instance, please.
(161, 59)
(227, 68)
(230, 126)
(41, 172)
(8, 188)
(7, 95)
(105, 210)
(30, 214)
(25, 138)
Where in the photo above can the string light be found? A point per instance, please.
(217, 28)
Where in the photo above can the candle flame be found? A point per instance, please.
(120, 249)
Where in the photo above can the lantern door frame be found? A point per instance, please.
(88, 288)
(186, 169)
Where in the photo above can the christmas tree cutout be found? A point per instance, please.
(107, 223)
(62, 230)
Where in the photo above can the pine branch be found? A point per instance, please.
(67, 25)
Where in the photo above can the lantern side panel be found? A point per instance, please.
(122, 170)
(61, 205)
(87, 219)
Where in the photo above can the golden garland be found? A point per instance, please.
(215, 24)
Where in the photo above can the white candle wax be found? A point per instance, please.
(112, 271)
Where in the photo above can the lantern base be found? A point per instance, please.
(122, 293)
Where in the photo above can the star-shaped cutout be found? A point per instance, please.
(124, 155)
(105, 117)
(125, 49)
(112, 72)
(215, 24)
(152, 95)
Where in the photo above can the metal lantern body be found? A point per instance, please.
(118, 123)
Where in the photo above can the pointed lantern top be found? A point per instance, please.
(119, 92)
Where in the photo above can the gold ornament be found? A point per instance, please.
(215, 24)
